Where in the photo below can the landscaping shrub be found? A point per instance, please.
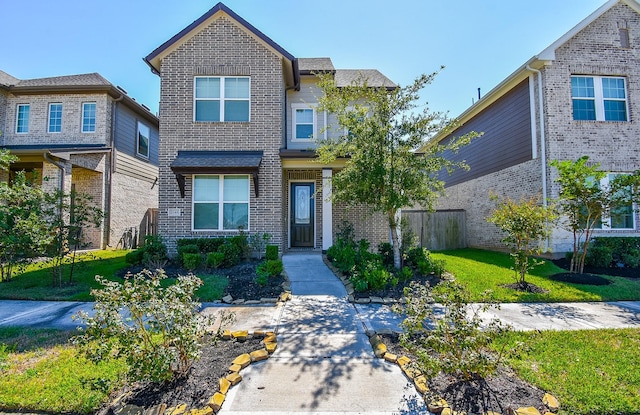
(232, 254)
(416, 255)
(191, 261)
(377, 278)
(261, 279)
(134, 257)
(242, 242)
(160, 336)
(154, 252)
(458, 345)
(274, 267)
(186, 249)
(405, 274)
(215, 259)
(386, 250)
(206, 245)
(614, 251)
(271, 252)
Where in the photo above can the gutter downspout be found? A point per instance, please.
(106, 233)
(543, 146)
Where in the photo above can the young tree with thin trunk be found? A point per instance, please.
(383, 127)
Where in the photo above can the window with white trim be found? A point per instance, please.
(22, 118)
(304, 122)
(88, 117)
(55, 118)
(142, 145)
(221, 99)
(621, 217)
(220, 202)
(599, 98)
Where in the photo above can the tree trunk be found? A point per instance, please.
(395, 242)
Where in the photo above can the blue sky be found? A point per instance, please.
(480, 42)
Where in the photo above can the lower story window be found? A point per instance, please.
(620, 217)
(220, 202)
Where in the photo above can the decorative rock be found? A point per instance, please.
(269, 300)
(351, 299)
(240, 335)
(157, 410)
(365, 300)
(421, 384)
(437, 405)
(259, 333)
(271, 347)
(491, 413)
(529, 410)
(411, 372)
(269, 338)
(377, 300)
(259, 355)
(390, 357)
(226, 335)
(235, 368)
(224, 386)
(404, 360)
(227, 299)
(243, 360)
(207, 410)
(238, 301)
(551, 402)
(178, 410)
(389, 300)
(252, 302)
(234, 378)
(215, 402)
(447, 411)
(380, 350)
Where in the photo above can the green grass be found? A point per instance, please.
(35, 283)
(487, 270)
(590, 371)
(41, 372)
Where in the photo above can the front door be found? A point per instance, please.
(302, 215)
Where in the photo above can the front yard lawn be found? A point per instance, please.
(484, 270)
(589, 371)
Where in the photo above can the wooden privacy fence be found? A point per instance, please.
(439, 230)
(148, 225)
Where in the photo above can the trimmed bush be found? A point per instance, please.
(272, 252)
(386, 250)
(134, 257)
(274, 267)
(191, 261)
(614, 251)
(154, 252)
(187, 249)
(215, 259)
(232, 254)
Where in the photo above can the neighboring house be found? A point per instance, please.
(580, 96)
(236, 120)
(81, 132)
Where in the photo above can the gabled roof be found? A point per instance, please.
(346, 77)
(543, 58)
(81, 83)
(154, 59)
(309, 66)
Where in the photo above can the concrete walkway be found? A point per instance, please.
(324, 363)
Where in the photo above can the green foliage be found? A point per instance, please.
(191, 261)
(583, 201)
(154, 251)
(6, 158)
(215, 259)
(134, 257)
(262, 278)
(271, 252)
(232, 254)
(405, 274)
(187, 249)
(383, 128)
(242, 242)
(449, 337)
(274, 267)
(614, 251)
(525, 224)
(159, 337)
(205, 245)
(386, 250)
(377, 278)
(24, 230)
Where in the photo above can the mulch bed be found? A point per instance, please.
(198, 386)
(591, 275)
(496, 393)
(241, 279)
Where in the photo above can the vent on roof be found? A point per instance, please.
(121, 89)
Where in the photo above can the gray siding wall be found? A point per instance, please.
(126, 134)
(506, 141)
(222, 48)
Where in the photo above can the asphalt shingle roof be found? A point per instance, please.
(89, 79)
(309, 65)
(217, 160)
(374, 78)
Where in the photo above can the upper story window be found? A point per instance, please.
(220, 202)
(221, 98)
(303, 122)
(599, 98)
(22, 118)
(88, 117)
(55, 118)
(142, 145)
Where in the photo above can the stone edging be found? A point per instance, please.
(232, 378)
(435, 403)
(284, 296)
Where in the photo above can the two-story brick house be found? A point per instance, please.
(81, 132)
(579, 96)
(236, 120)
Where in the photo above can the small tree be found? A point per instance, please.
(583, 201)
(526, 224)
(383, 128)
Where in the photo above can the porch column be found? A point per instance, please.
(327, 210)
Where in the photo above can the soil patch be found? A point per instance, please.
(587, 279)
(497, 393)
(241, 279)
(199, 385)
(613, 271)
(526, 287)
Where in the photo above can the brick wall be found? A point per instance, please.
(373, 227)
(91, 183)
(222, 48)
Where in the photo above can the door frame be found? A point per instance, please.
(313, 201)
